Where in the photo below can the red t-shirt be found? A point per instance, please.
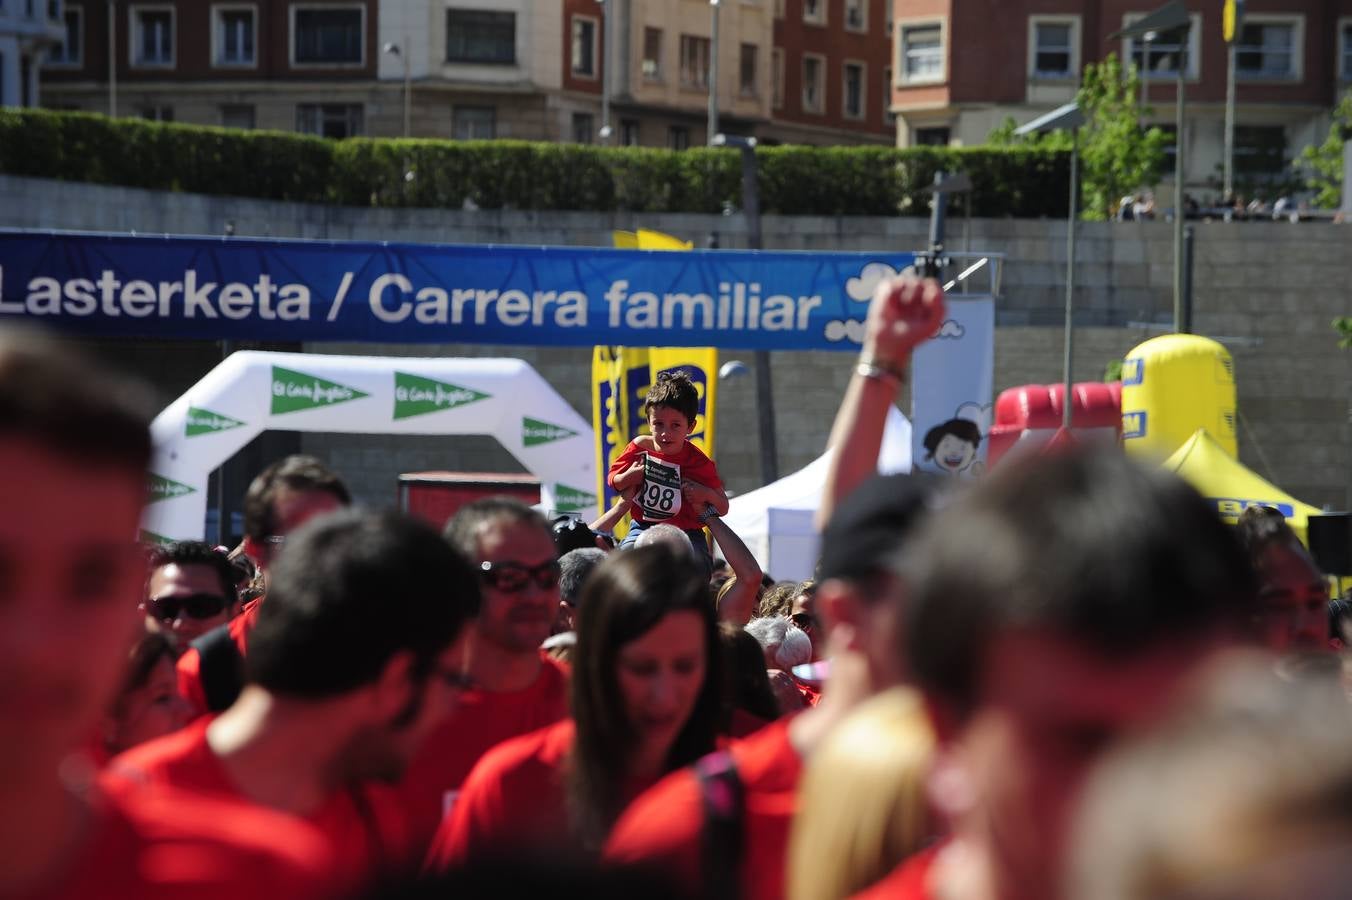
(170, 846)
(483, 720)
(364, 824)
(665, 826)
(189, 665)
(694, 465)
(908, 881)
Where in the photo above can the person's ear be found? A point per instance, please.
(394, 687)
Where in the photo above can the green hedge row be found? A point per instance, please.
(1008, 181)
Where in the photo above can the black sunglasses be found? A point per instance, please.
(804, 621)
(514, 577)
(194, 606)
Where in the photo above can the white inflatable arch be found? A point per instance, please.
(251, 392)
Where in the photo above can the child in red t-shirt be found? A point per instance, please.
(667, 478)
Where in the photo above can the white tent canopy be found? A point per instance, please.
(775, 521)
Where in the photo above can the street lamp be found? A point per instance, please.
(713, 76)
(393, 50)
(751, 207)
(1172, 17)
(1065, 118)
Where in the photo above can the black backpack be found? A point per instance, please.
(221, 667)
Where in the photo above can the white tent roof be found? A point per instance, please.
(775, 521)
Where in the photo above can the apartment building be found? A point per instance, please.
(964, 66)
(28, 31)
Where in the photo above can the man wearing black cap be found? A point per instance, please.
(742, 851)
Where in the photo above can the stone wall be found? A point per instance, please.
(1267, 291)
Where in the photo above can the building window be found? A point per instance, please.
(235, 35)
(777, 78)
(584, 128)
(931, 137)
(152, 36)
(629, 132)
(584, 47)
(814, 74)
(1268, 51)
(330, 120)
(814, 11)
(328, 36)
(237, 115)
(1345, 51)
(853, 91)
(70, 52)
(678, 137)
(1260, 151)
(889, 117)
(479, 36)
(748, 61)
(652, 54)
(474, 123)
(1165, 51)
(156, 113)
(922, 53)
(1054, 55)
(694, 62)
(856, 15)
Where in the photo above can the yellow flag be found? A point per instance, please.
(624, 240)
(656, 240)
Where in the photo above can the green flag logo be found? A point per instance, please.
(415, 395)
(296, 391)
(161, 488)
(150, 537)
(534, 432)
(568, 499)
(204, 421)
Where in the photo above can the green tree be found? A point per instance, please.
(1117, 155)
(1343, 325)
(1323, 164)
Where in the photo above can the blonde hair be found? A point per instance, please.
(862, 804)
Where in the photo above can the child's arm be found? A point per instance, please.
(611, 518)
(700, 494)
(628, 478)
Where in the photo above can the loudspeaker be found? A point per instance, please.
(1330, 537)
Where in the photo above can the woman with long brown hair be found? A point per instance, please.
(646, 700)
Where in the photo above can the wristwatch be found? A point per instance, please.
(709, 513)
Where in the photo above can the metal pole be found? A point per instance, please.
(1180, 149)
(408, 91)
(765, 401)
(112, 59)
(608, 39)
(713, 76)
(1067, 363)
(1145, 71)
(1228, 188)
(1189, 247)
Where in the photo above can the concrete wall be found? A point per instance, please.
(1268, 291)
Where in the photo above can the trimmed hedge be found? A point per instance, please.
(864, 180)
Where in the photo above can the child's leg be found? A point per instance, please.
(635, 529)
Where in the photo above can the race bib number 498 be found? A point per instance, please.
(660, 496)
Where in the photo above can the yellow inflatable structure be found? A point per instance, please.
(1228, 483)
(1171, 386)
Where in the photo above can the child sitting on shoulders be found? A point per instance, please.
(667, 478)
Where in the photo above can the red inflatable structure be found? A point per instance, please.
(1027, 418)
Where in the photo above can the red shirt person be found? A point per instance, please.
(328, 708)
(74, 446)
(646, 699)
(190, 591)
(856, 603)
(514, 688)
(283, 497)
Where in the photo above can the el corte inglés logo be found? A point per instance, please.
(534, 432)
(150, 537)
(415, 395)
(161, 488)
(296, 391)
(204, 421)
(568, 499)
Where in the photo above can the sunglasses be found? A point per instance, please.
(804, 621)
(194, 606)
(513, 577)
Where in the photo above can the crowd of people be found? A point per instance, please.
(1066, 679)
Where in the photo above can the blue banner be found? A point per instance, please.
(251, 289)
